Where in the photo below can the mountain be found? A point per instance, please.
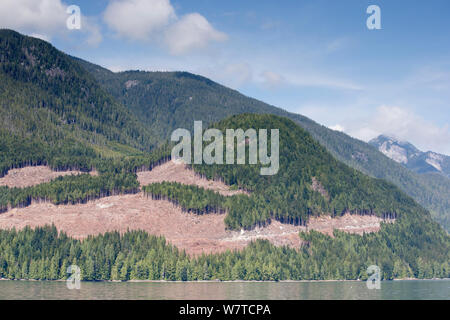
(310, 181)
(56, 110)
(49, 102)
(411, 246)
(165, 101)
(411, 157)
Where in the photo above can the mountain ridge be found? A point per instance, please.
(55, 112)
(412, 158)
(138, 89)
(65, 100)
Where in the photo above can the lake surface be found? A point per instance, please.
(391, 290)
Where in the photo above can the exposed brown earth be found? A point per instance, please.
(349, 223)
(190, 232)
(31, 176)
(173, 171)
(193, 233)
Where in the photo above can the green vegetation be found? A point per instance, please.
(412, 246)
(190, 198)
(70, 189)
(44, 254)
(117, 176)
(55, 112)
(432, 191)
(289, 196)
(17, 152)
(58, 91)
(164, 101)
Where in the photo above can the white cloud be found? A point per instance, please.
(191, 32)
(40, 36)
(337, 127)
(405, 125)
(43, 19)
(156, 20)
(138, 19)
(94, 34)
(271, 79)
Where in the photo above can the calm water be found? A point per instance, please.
(420, 289)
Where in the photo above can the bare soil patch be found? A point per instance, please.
(349, 223)
(193, 233)
(173, 171)
(31, 176)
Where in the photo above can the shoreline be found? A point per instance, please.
(225, 281)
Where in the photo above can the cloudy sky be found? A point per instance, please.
(316, 58)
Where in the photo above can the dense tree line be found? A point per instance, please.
(435, 196)
(18, 152)
(289, 195)
(69, 190)
(190, 198)
(137, 163)
(116, 176)
(45, 254)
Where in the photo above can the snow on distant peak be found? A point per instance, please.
(412, 158)
(435, 160)
(394, 152)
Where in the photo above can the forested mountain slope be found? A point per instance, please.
(53, 111)
(165, 101)
(413, 246)
(430, 190)
(290, 196)
(310, 181)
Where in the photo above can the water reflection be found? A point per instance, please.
(416, 289)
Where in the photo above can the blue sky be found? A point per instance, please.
(316, 58)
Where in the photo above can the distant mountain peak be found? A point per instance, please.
(391, 139)
(396, 149)
(408, 155)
